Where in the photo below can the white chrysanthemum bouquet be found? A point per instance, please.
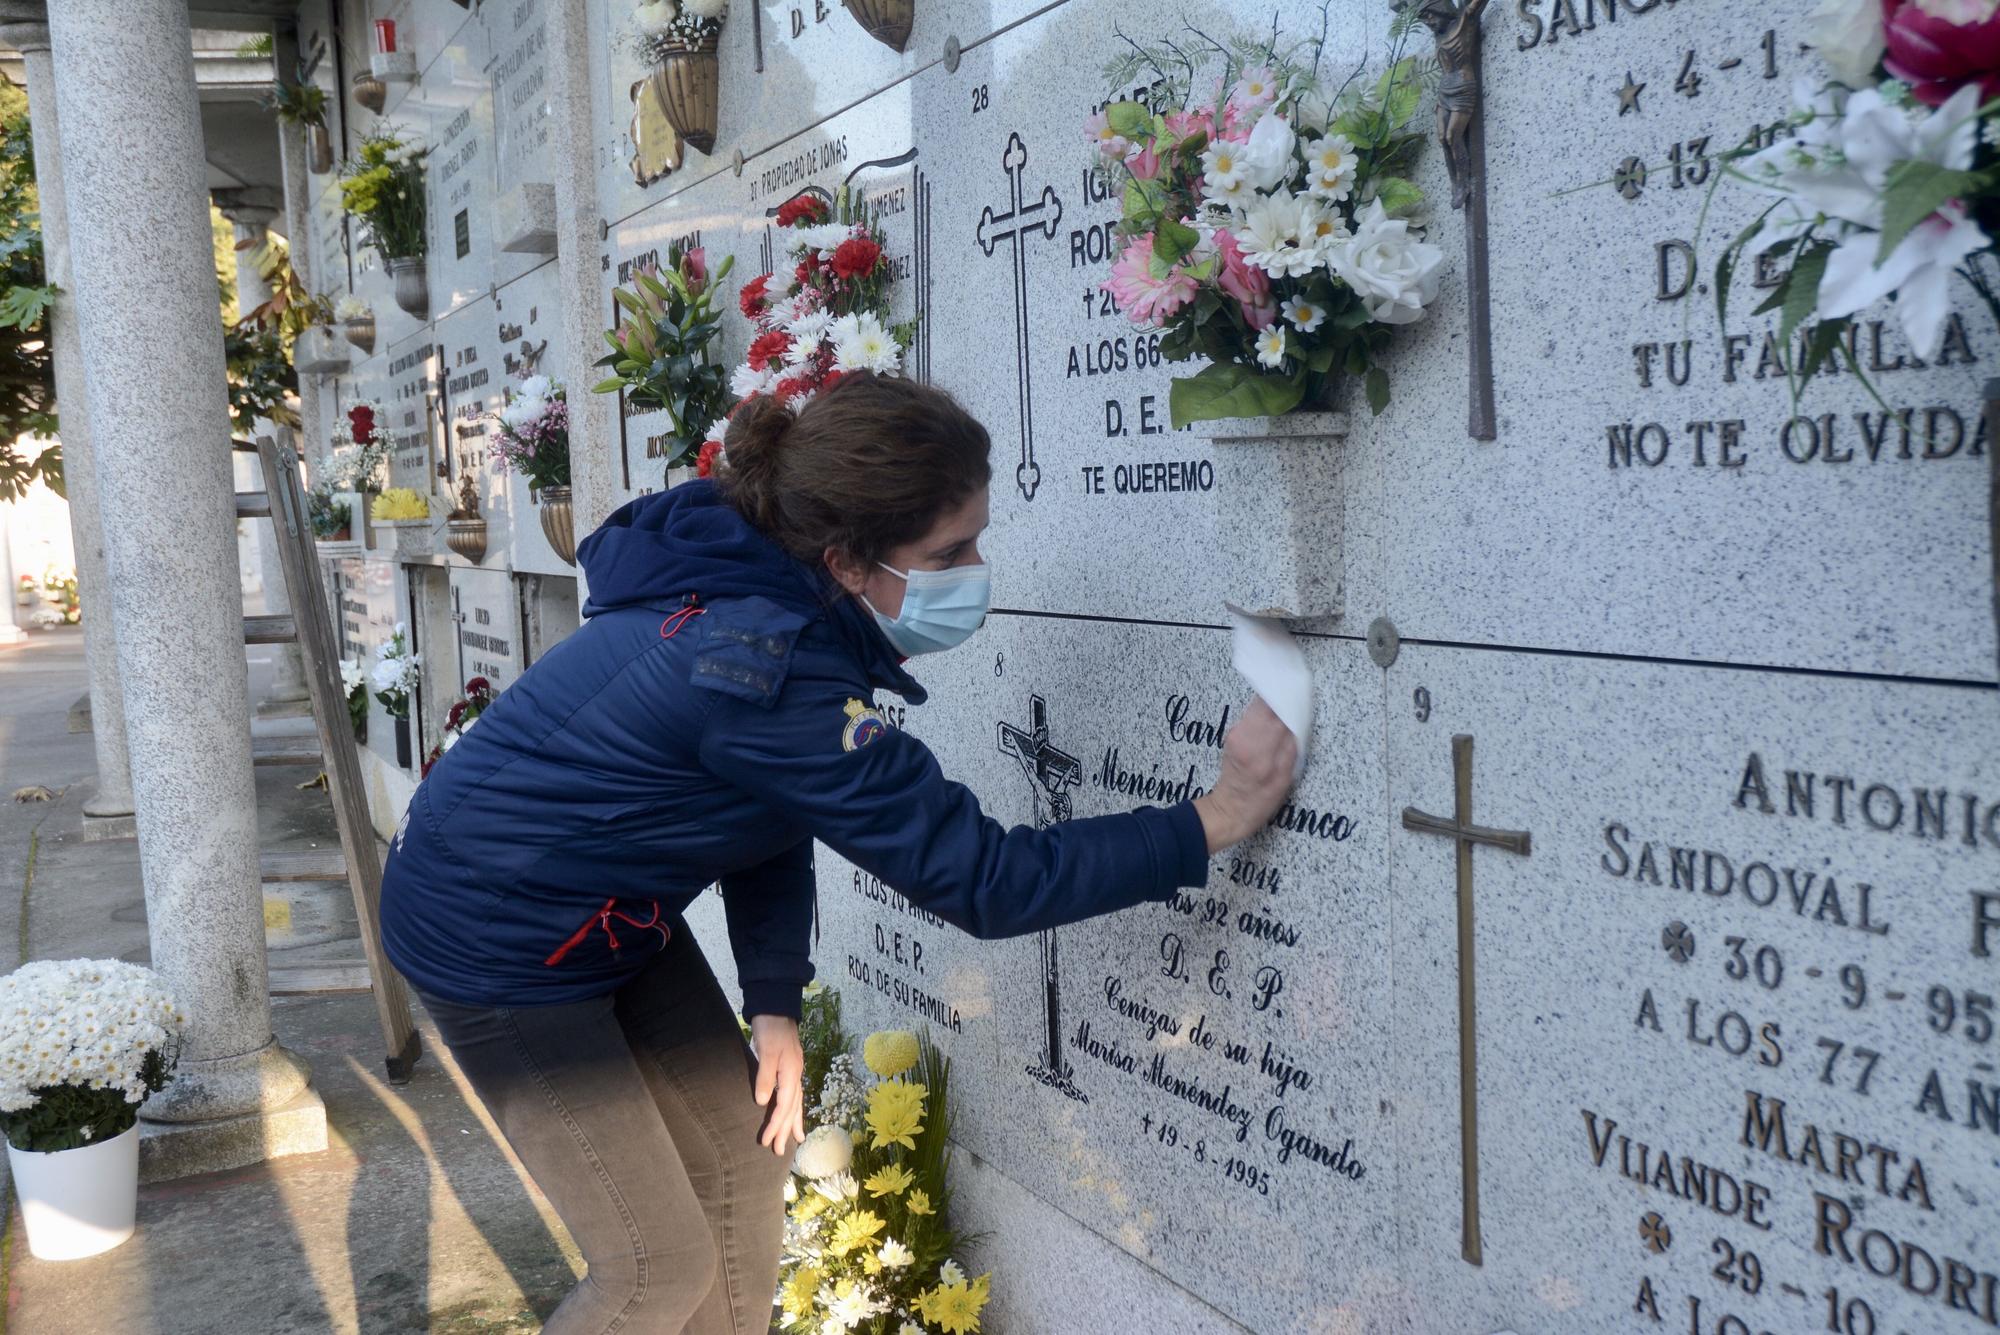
(82, 1044)
(1268, 225)
(396, 672)
(868, 1241)
(832, 318)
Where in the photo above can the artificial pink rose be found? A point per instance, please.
(1245, 282)
(1184, 125)
(1144, 165)
(1939, 46)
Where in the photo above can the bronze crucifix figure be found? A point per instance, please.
(1461, 133)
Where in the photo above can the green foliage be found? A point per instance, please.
(297, 103)
(661, 352)
(1231, 389)
(62, 1114)
(261, 378)
(27, 374)
(327, 515)
(821, 1037)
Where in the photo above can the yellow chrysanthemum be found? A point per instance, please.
(890, 1181)
(857, 1230)
(890, 1052)
(895, 1113)
(955, 1308)
(811, 1205)
(796, 1297)
(919, 1202)
(871, 1264)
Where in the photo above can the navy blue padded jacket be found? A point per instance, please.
(709, 720)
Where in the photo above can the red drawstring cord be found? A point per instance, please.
(602, 919)
(672, 625)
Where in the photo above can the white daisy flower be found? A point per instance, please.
(1271, 347)
(894, 1255)
(1225, 173)
(1322, 228)
(950, 1275)
(1270, 238)
(1303, 315)
(747, 383)
(869, 348)
(1330, 167)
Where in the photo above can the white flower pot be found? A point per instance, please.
(78, 1202)
(1280, 511)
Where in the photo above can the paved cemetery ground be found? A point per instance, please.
(416, 1218)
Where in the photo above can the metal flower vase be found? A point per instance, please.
(687, 82)
(370, 91)
(319, 150)
(360, 332)
(558, 526)
(403, 743)
(1280, 510)
(887, 21)
(465, 527)
(413, 285)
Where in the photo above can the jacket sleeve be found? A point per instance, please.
(769, 908)
(887, 807)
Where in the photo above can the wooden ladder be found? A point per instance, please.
(310, 626)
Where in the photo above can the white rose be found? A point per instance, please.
(1267, 155)
(537, 387)
(1848, 36)
(826, 1151)
(1394, 274)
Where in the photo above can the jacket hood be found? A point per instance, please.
(663, 547)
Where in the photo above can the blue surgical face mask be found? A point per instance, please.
(941, 608)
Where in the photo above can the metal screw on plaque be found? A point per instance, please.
(736, 162)
(952, 52)
(1383, 641)
(1678, 941)
(1653, 1231)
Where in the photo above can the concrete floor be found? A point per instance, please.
(416, 1219)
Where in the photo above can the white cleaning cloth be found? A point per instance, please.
(1274, 665)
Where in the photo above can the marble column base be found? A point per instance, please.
(170, 1150)
(96, 829)
(222, 1088)
(79, 714)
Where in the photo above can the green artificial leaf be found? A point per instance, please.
(1144, 202)
(608, 386)
(1826, 336)
(1777, 298)
(1802, 289)
(1400, 198)
(1320, 360)
(1129, 120)
(1399, 91)
(1377, 387)
(1914, 191)
(1173, 241)
(1194, 145)
(1230, 389)
(631, 303)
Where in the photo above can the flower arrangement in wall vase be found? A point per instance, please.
(679, 40)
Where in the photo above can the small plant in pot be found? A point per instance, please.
(383, 186)
(660, 351)
(395, 677)
(533, 440)
(357, 320)
(679, 39)
(82, 1044)
(304, 104)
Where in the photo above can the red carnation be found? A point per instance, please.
(768, 347)
(1938, 56)
(856, 258)
(704, 462)
(478, 686)
(361, 419)
(803, 274)
(751, 300)
(807, 209)
(830, 379)
(457, 713)
(791, 387)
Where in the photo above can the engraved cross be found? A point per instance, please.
(1461, 829)
(1017, 224)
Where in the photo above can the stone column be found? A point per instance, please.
(593, 423)
(145, 285)
(108, 812)
(288, 682)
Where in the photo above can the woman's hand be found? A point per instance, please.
(781, 1069)
(1258, 757)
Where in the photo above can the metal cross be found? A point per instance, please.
(458, 620)
(1053, 773)
(1020, 221)
(1460, 828)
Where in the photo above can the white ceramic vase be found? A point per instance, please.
(78, 1202)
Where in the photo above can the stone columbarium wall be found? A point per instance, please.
(1729, 663)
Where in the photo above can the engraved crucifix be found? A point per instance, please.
(1460, 828)
(1462, 134)
(1052, 773)
(1019, 222)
